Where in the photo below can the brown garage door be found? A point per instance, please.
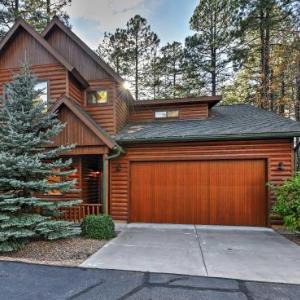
(224, 192)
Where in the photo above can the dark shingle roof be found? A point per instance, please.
(240, 121)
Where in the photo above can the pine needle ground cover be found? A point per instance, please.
(28, 159)
(64, 252)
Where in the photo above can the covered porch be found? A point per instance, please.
(89, 160)
(91, 187)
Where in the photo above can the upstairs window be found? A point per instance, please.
(97, 97)
(166, 114)
(42, 87)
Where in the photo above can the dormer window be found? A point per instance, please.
(98, 96)
(167, 114)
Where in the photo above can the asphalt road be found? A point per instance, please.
(29, 281)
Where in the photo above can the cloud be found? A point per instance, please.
(91, 18)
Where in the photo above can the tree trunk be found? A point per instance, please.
(174, 79)
(16, 9)
(297, 100)
(263, 62)
(48, 11)
(282, 92)
(271, 94)
(213, 58)
(213, 75)
(136, 68)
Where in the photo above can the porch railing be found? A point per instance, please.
(77, 213)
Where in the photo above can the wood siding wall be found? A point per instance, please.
(54, 73)
(191, 111)
(104, 114)
(274, 151)
(121, 110)
(88, 68)
(24, 48)
(75, 92)
(75, 131)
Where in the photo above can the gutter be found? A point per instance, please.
(212, 138)
(119, 150)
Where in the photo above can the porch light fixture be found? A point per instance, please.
(280, 166)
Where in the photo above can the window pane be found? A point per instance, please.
(173, 114)
(42, 87)
(101, 96)
(160, 114)
(97, 97)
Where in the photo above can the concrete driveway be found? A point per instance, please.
(231, 252)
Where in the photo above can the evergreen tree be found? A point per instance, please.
(153, 85)
(39, 12)
(142, 44)
(36, 12)
(208, 51)
(171, 64)
(9, 11)
(264, 21)
(131, 52)
(113, 50)
(26, 165)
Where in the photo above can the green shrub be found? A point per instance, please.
(98, 227)
(288, 202)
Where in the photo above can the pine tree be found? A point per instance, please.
(39, 12)
(36, 12)
(208, 51)
(265, 21)
(153, 83)
(142, 44)
(131, 52)
(26, 165)
(113, 50)
(9, 11)
(171, 64)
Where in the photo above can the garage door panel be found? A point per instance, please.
(224, 192)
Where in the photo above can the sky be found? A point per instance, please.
(169, 19)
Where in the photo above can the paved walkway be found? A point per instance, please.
(37, 282)
(229, 252)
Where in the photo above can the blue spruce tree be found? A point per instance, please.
(28, 159)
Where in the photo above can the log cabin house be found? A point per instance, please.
(189, 160)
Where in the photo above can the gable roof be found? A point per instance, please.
(85, 118)
(99, 61)
(22, 24)
(229, 122)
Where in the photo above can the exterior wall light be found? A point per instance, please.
(280, 166)
(118, 168)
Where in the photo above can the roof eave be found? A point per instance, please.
(251, 136)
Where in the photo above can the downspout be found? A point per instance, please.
(296, 151)
(119, 150)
